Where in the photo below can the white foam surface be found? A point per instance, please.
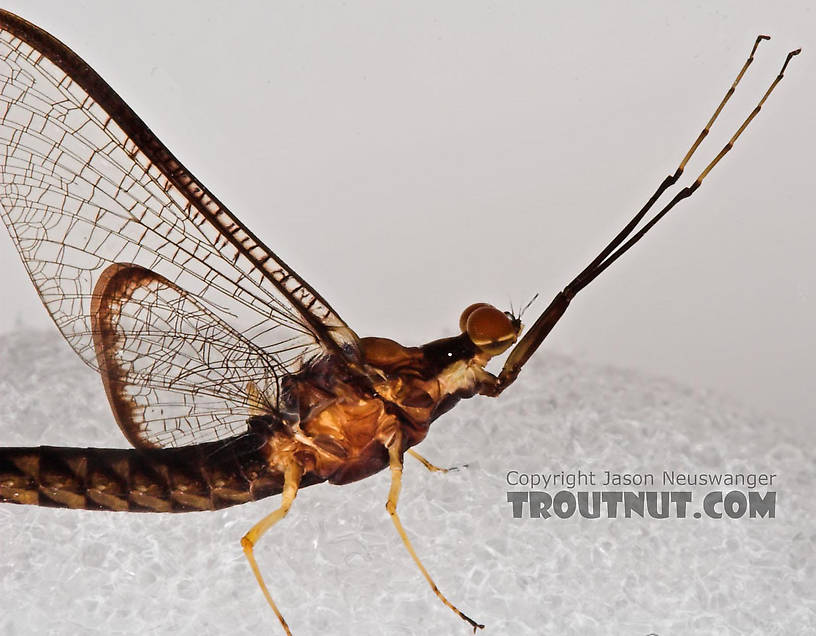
(336, 566)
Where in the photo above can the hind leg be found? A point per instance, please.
(290, 487)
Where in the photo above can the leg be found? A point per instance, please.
(429, 465)
(669, 181)
(290, 488)
(395, 461)
(623, 241)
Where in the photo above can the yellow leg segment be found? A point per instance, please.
(290, 487)
(432, 467)
(395, 462)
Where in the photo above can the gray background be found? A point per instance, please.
(409, 159)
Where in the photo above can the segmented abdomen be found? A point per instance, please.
(202, 477)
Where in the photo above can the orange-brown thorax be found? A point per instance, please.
(344, 422)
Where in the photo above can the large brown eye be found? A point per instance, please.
(488, 328)
(466, 314)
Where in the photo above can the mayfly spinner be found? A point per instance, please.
(231, 377)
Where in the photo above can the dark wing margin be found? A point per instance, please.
(190, 319)
(312, 308)
(174, 372)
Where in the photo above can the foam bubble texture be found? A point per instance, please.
(336, 566)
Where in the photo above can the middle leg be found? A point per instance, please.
(395, 463)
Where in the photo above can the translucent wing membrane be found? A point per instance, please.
(85, 186)
(172, 369)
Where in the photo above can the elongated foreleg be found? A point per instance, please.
(626, 238)
(395, 463)
(290, 487)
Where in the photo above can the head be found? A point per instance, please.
(491, 330)
(486, 332)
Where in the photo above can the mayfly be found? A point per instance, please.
(231, 377)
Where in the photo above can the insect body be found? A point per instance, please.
(232, 378)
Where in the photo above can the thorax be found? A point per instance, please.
(343, 422)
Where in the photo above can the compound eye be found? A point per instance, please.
(489, 328)
(466, 314)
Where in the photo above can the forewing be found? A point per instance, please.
(84, 184)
